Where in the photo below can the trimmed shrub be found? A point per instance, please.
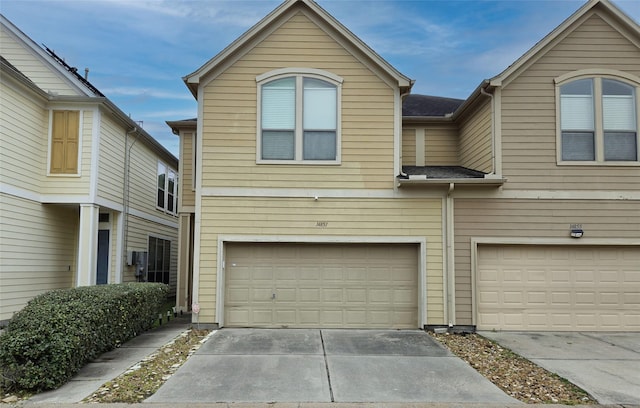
(58, 332)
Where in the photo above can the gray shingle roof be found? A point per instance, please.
(425, 105)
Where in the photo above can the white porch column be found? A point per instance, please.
(87, 245)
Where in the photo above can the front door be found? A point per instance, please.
(103, 257)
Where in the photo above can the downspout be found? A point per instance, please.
(125, 194)
(493, 129)
(451, 280)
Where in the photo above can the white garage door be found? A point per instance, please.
(318, 285)
(562, 288)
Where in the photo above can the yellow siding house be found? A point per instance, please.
(86, 196)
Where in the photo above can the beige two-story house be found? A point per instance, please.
(319, 192)
(86, 195)
(297, 220)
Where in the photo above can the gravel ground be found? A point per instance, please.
(513, 374)
(144, 379)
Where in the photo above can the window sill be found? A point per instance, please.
(302, 162)
(65, 175)
(600, 164)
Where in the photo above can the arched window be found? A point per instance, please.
(299, 119)
(598, 120)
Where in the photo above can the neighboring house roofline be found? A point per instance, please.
(89, 93)
(46, 58)
(539, 47)
(192, 80)
(176, 125)
(8, 69)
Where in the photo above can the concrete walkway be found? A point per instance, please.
(113, 363)
(351, 366)
(606, 365)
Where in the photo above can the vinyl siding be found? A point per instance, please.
(533, 219)
(143, 182)
(298, 216)
(529, 115)
(111, 164)
(408, 146)
(138, 240)
(41, 73)
(475, 139)
(37, 250)
(186, 190)
(230, 115)
(57, 184)
(23, 139)
(441, 144)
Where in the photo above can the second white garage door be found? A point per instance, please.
(321, 285)
(558, 288)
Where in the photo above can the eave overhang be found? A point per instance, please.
(177, 125)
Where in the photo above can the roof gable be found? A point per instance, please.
(603, 8)
(40, 65)
(279, 16)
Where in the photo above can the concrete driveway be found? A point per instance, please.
(299, 365)
(606, 365)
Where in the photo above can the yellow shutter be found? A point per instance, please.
(64, 142)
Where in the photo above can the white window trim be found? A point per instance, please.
(598, 75)
(80, 137)
(166, 189)
(300, 73)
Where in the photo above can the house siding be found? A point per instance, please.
(525, 219)
(293, 217)
(139, 230)
(475, 146)
(408, 146)
(230, 115)
(23, 137)
(111, 166)
(37, 250)
(33, 67)
(440, 144)
(529, 113)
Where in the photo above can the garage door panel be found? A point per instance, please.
(565, 288)
(322, 285)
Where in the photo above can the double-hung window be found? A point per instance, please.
(299, 119)
(167, 189)
(598, 121)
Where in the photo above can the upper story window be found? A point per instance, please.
(299, 119)
(599, 121)
(167, 189)
(65, 140)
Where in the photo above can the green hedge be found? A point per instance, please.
(58, 332)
